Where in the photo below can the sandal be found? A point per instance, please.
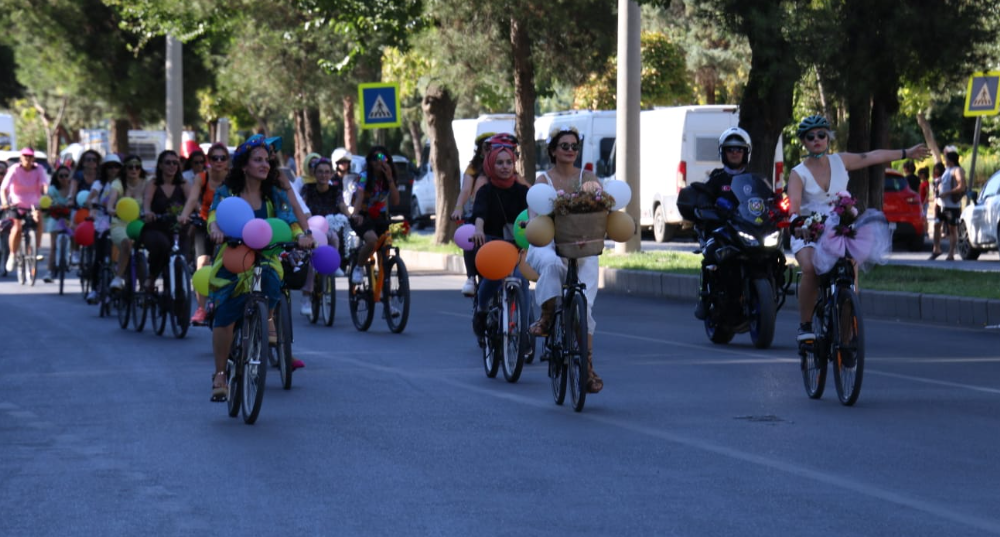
(220, 388)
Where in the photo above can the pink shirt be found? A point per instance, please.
(24, 187)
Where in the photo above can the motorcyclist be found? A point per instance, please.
(734, 152)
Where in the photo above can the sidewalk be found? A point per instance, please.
(952, 310)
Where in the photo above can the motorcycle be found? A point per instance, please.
(746, 281)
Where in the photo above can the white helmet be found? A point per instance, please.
(734, 137)
(340, 154)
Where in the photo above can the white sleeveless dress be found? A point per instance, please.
(814, 198)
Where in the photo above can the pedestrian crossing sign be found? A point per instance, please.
(379, 105)
(981, 97)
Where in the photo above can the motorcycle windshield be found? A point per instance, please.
(755, 198)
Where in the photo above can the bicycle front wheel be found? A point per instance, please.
(361, 300)
(123, 302)
(104, 293)
(329, 299)
(254, 361)
(20, 258)
(813, 357)
(234, 372)
(283, 328)
(316, 298)
(180, 315)
(848, 342)
(575, 345)
(513, 329)
(83, 269)
(139, 298)
(396, 295)
(159, 306)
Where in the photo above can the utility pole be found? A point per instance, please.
(175, 93)
(629, 70)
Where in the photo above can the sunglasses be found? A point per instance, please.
(87, 159)
(171, 163)
(569, 147)
(113, 165)
(735, 149)
(133, 167)
(218, 158)
(63, 176)
(821, 135)
(199, 161)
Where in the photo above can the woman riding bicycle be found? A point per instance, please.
(564, 145)
(203, 193)
(57, 219)
(324, 198)
(23, 186)
(376, 190)
(498, 203)
(165, 195)
(812, 186)
(134, 186)
(254, 178)
(101, 191)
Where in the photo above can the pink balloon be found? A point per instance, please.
(463, 237)
(257, 233)
(320, 239)
(319, 224)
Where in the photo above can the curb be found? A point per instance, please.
(943, 309)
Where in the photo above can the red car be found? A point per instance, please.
(902, 208)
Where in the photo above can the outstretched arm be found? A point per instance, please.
(856, 161)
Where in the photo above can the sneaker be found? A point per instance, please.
(10, 262)
(117, 283)
(92, 297)
(479, 323)
(469, 289)
(199, 315)
(39, 257)
(48, 277)
(806, 332)
(306, 309)
(297, 364)
(339, 273)
(357, 276)
(74, 258)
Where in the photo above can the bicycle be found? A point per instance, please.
(840, 338)
(61, 247)
(506, 331)
(105, 270)
(26, 260)
(566, 344)
(132, 298)
(388, 270)
(282, 355)
(246, 368)
(323, 299)
(174, 300)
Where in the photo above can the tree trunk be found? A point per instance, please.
(439, 111)
(524, 97)
(418, 142)
(308, 137)
(925, 127)
(884, 106)
(119, 136)
(299, 139)
(350, 125)
(51, 125)
(859, 141)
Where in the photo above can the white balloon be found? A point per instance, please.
(620, 191)
(541, 198)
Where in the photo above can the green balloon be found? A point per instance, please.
(134, 229)
(280, 231)
(519, 224)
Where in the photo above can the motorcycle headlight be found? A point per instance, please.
(749, 239)
(772, 240)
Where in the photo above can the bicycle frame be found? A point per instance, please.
(381, 252)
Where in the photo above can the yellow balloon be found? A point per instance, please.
(127, 209)
(621, 226)
(45, 202)
(200, 280)
(540, 231)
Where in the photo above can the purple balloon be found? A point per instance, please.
(463, 237)
(325, 260)
(257, 233)
(232, 214)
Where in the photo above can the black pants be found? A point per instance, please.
(158, 243)
(102, 247)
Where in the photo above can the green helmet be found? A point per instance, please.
(810, 123)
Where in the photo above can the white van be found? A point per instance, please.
(597, 135)
(679, 146)
(8, 135)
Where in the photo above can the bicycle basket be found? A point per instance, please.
(581, 234)
(296, 273)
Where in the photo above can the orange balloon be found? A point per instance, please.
(527, 270)
(81, 215)
(496, 259)
(238, 259)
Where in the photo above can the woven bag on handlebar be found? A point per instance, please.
(580, 234)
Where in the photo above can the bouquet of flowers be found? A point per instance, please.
(814, 225)
(581, 222)
(846, 211)
(582, 201)
(400, 231)
(864, 235)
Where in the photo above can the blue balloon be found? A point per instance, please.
(232, 214)
(326, 260)
(81, 197)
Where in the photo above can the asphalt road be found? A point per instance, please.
(108, 432)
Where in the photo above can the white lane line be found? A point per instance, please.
(931, 508)
(923, 380)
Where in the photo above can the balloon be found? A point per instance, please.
(127, 209)
(620, 191)
(320, 238)
(319, 225)
(540, 198)
(463, 237)
(257, 233)
(540, 231)
(134, 229)
(84, 234)
(200, 280)
(527, 270)
(326, 260)
(496, 259)
(45, 202)
(81, 215)
(520, 223)
(81, 197)
(280, 231)
(621, 226)
(232, 214)
(238, 259)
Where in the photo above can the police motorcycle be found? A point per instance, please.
(745, 281)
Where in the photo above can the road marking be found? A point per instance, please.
(972, 387)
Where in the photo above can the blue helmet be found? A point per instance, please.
(812, 122)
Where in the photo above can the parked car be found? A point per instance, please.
(423, 199)
(902, 209)
(14, 157)
(979, 225)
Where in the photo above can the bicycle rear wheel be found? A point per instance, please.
(234, 372)
(848, 342)
(159, 306)
(123, 302)
(513, 330)
(83, 269)
(329, 299)
(396, 295)
(361, 300)
(557, 363)
(180, 316)
(813, 357)
(283, 328)
(254, 361)
(575, 343)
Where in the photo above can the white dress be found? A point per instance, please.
(552, 271)
(814, 198)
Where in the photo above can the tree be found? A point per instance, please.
(664, 78)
